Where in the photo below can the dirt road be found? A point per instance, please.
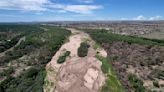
(18, 43)
(76, 74)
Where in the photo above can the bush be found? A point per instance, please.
(157, 73)
(136, 83)
(30, 72)
(105, 64)
(7, 72)
(83, 49)
(6, 83)
(63, 57)
(155, 83)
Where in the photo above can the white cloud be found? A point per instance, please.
(84, 9)
(7, 15)
(156, 18)
(86, 1)
(24, 5)
(46, 5)
(144, 18)
(140, 17)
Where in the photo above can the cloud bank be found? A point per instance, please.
(141, 17)
(47, 5)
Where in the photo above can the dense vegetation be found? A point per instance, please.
(10, 34)
(6, 44)
(37, 50)
(63, 57)
(103, 36)
(19, 28)
(30, 81)
(83, 49)
(47, 40)
(6, 72)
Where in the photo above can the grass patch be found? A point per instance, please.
(86, 40)
(112, 83)
(63, 57)
(96, 46)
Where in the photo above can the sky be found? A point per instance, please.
(80, 10)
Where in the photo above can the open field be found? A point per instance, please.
(154, 35)
(133, 28)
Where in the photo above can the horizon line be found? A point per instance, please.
(82, 21)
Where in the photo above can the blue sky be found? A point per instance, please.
(76, 10)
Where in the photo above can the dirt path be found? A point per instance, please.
(76, 74)
(18, 43)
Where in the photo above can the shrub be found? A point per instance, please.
(105, 64)
(30, 72)
(7, 72)
(63, 57)
(157, 73)
(136, 83)
(83, 49)
(6, 83)
(155, 83)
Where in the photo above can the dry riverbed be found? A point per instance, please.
(76, 74)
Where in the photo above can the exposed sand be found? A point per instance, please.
(76, 74)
